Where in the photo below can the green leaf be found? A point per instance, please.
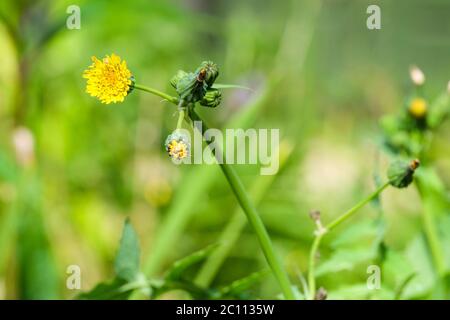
(8, 170)
(179, 267)
(345, 259)
(399, 290)
(359, 291)
(423, 282)
(439, 110)
(127, 259)
(444, 227)
(396, 270)
(239, 286)
(230, 86)
(364, 231)
(113, 290)
(35, 261)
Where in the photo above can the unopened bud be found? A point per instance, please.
(417, 76)
(212, 98)
(209, 72)
(174, 81)
(401, 173)
(315, 215)
(189, 88)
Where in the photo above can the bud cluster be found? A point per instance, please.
(197, 86)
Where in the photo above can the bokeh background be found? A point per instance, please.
(72, 169)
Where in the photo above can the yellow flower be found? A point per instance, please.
(108, 79)
(177, 145)
(418, 108)
(177, 149)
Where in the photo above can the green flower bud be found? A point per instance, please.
(401, 173)
(190, 89)
(174, 81)
(212, 98)
(208, 72)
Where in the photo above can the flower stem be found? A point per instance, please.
(246, 204)
(254, 220)
(358, 206)
(333, 224)
(180, 118)
(231, 233)
(163, 95)
(312, 260)
(430, 208)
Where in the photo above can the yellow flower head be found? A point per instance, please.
(418, 108)
(108, 79)
(177, 145)
(177, 149)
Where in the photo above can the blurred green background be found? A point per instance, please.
(72, 169)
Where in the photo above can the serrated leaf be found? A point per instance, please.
(179, 267)
(126, 265)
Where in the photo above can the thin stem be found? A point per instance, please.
(180, 118)
(161, 94)
(353, 210)
(320, 233)
(254, 220)
(312, 264)
(246, 204)
(231, 233)
(432, 236)
(430, 208)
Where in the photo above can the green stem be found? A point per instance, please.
(161, 94)
(320, 233)
(231, 233)
(428, 194)
(432, 236)
(246, 204)
(254, 220)
(180, 118)
(358, 206)
(312, 263)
